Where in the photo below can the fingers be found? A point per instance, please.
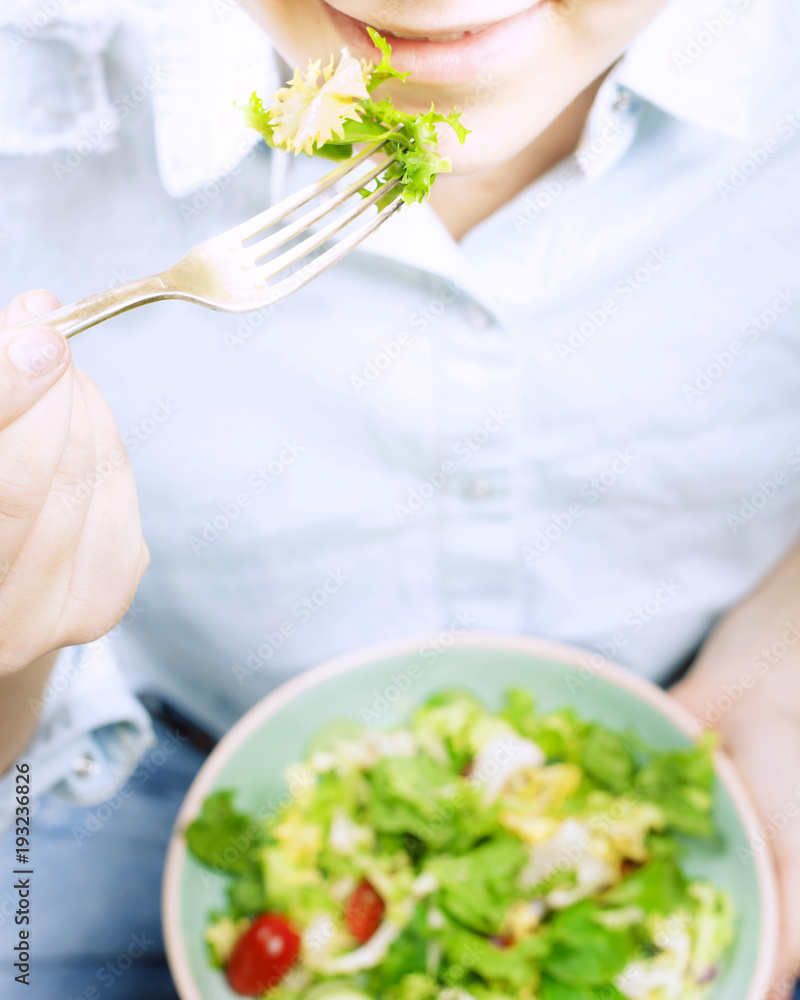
(30, 449)
(765, 745)
(783, 986)
(788, 971)
(766, 748)
(35, 409)
(78, 568)
(31, 359)
(112, 555)
(29, 305)
(34, 587)
(71, 548)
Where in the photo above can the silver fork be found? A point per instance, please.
(221, 273)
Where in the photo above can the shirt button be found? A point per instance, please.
(476, 317)
(478, 489)
(85, 766)
(624, 101)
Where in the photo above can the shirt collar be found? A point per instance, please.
(717, 67)
(54, 98)
(720, 66)
(200, 133)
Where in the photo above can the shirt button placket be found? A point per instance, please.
(477, 389)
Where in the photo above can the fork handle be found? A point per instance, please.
(79, 316)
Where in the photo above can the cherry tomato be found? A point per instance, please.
(365, 911)
(263, 955)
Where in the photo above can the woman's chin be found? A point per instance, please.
(483, 150)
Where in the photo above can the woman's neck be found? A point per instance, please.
(463, 202)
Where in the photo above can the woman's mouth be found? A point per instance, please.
(454, 54)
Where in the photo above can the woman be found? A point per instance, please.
(560, 399)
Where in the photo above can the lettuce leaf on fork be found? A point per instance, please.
(327, 110)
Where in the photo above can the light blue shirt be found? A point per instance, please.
(582, 421)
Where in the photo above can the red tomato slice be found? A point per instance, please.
(263, 955)
(365, 911)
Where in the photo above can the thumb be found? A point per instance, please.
(32, 358)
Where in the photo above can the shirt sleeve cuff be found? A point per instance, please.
(92, 732)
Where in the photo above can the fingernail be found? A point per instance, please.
(36, 351)
(38, 302)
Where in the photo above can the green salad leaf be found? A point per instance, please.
(553, 989)
(511, 855)
(682, 782)
(477, 889)
(327, 110)
(221, 837)
(582, 951)
(513, 969)
(607, 759)
(419, 796)
(406, 960)
(657, 887)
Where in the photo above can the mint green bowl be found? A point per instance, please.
(380, 685)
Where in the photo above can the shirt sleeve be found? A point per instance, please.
(92, 731)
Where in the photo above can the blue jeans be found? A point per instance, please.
(95, 921)
(95, 893)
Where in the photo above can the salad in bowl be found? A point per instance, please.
(470, 854)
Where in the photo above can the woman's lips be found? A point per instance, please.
(444, 57)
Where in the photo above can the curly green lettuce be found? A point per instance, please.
(328, 110)
(518, 854)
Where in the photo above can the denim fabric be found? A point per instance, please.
(95, 892)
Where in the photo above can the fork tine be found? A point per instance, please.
(283, 289)
(283, 236)
(258, 223)
(323, 235)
